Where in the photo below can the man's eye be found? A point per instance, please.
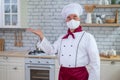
(68, 18)
(75, 16)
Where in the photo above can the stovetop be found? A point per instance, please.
(36, 52)
(38, 60)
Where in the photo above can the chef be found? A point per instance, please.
(77, 50)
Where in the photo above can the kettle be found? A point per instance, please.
(112, 52)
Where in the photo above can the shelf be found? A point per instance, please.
(13, 28)
(102, 25)
(108, 6)
(105, 24)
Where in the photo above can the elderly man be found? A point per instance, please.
(76, 50)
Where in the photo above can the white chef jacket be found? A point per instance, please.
(78, 52)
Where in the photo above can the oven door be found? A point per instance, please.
(40, 72)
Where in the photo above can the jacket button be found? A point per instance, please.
(71, 45)
(62, 55)
(64, 45)
(69, 54)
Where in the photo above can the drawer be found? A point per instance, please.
(40, 61)
(110, 62)
(15, 67)
(15, 59)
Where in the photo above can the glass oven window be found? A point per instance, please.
(39, 74)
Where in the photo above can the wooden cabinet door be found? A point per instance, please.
(110, 70)
(15, 72)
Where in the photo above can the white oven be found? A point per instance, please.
(39, 69)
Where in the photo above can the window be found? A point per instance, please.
(10, 13)
(0, 13)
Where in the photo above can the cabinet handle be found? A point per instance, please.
(47, 62)
(15, 68)
(5, 57)
(38, 61)
(30, 61)
(112, 62)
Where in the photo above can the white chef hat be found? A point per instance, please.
(73, 8)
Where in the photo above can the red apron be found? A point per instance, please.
(78, 73)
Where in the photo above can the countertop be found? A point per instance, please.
(25, 54)
(113, 58)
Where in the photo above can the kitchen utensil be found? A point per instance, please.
(15, 36)
(105, 2)
(112, 52)
(18, 39)
(89, 9)
(110, 20)
(2, 44)
(108, 53)
(116, 17)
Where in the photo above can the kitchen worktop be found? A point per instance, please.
(116, 58)
(13, 53)
(25, 54)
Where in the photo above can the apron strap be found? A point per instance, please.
(77, 49)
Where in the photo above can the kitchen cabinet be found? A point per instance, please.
(57, 67)
(2, 71)
(15, 72)
(110, 70)
(12, 68)
(13, 13)
(105, 24)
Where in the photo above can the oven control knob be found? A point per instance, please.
(47, 62)
(38, 61)
(30, 61)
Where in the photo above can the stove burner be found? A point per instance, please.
(36, 52)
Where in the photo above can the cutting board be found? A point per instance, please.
(2, 44)
(18, 39)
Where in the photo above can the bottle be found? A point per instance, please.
(113, 1)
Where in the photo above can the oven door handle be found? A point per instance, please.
(48, 67)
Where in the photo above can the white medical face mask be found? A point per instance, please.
(73, 24)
